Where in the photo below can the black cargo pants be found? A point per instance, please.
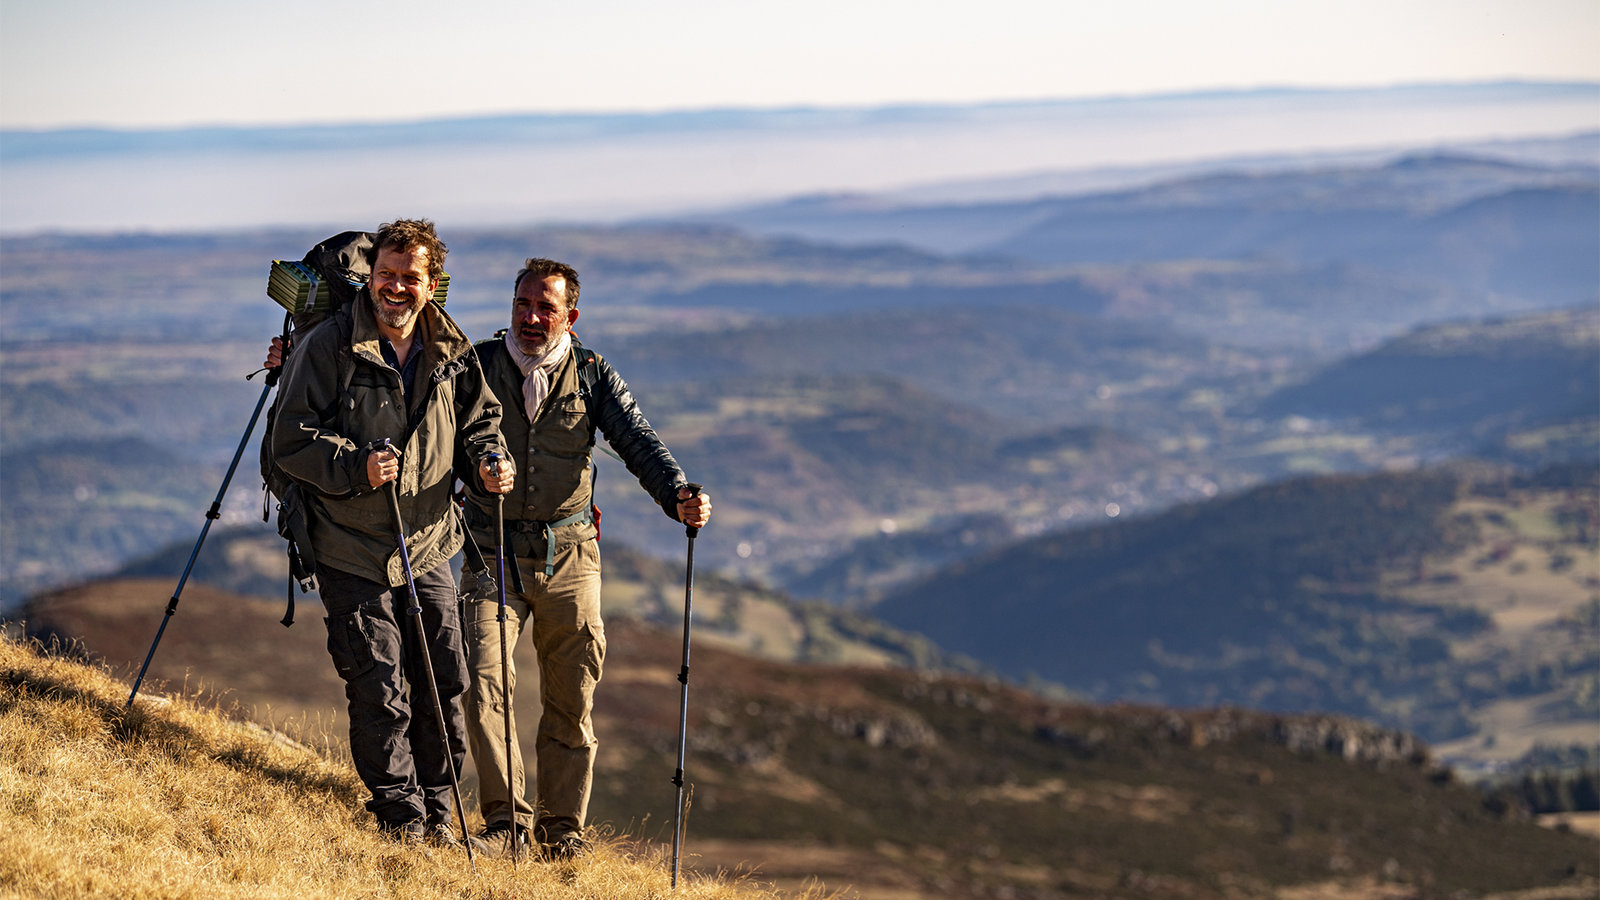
(394, 734)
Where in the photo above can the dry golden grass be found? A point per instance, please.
(172, 800)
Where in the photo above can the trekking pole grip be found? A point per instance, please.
(283, 343)
(694, 491)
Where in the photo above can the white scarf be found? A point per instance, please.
(537, 370)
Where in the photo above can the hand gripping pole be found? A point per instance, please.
(683, 694)
(505, 656)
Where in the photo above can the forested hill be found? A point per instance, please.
(1484, 377)
(1380, 595)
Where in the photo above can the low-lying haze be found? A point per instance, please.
(532, 169)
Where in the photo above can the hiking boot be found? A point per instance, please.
(409, 834)
(441, 835)
(567, 846)
(498, 841)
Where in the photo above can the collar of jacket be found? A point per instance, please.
(443, 341)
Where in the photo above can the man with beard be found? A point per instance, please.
(556, 394)
(392, 365)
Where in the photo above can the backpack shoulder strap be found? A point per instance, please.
(345, 358)
(489, 349)
(588, 375)
(588, 368)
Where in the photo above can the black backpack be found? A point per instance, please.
(343, 263)
(330, 276)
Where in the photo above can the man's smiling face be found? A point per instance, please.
(539, 314)
(400, 286)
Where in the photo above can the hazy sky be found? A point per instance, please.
(185, 62)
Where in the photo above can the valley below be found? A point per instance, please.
(1235, 534)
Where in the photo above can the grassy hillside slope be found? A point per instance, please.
(918, 786)
(170, 799)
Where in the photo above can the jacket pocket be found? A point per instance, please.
(568, 431)
(372, 407)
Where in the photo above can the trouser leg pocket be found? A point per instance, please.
(349, 644)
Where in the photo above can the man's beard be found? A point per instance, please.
(535, 344)
(392, 316)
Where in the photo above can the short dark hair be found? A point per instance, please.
(542, 268)
(405, 235)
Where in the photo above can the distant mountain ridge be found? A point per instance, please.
(1418, 182)
(1475, 224)
(517, 169)
(24, 144)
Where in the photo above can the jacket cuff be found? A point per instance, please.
(358, 474)
(671, 498)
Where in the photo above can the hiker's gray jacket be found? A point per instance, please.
(552, 453)
(338, 397)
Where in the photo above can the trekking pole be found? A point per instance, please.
(212, 514)
(683, 693)
(414, 614)
(505, 653)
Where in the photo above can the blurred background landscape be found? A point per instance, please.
(1116, 445)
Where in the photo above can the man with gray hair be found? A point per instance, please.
(556, 394)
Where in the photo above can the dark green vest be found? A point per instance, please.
(551, 455)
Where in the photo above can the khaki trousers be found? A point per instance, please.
(561, 614)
